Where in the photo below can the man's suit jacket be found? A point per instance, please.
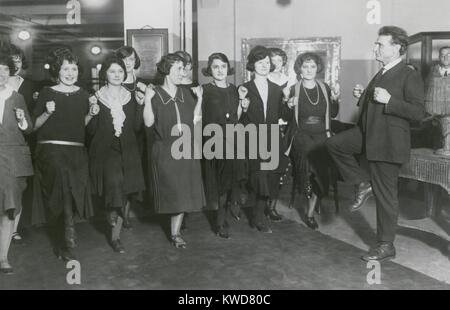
(387, 130)
(13, 147)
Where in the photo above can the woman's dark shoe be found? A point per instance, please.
(262, 227)
(178, 242)
(117, 246)
(65, 254)
(16, 238)
(6, 268)
(126, 223)
(222, 232)
(311, 223)
(235, 210)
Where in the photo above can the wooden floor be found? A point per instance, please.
(292, 257)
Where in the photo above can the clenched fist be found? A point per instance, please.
(243, 91)
(50, 107)
(381, 95)
(245, 104)
(93, 100)
(198, 91)
(141, 87)
(149, 91)
(292, 103)
(94, 109)
(358, 90)
(335, 91)
(20, 115)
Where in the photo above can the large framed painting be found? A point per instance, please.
(151, 45)
(328, 48)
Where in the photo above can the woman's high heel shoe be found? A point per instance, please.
(127, 223)
(178, 242)
(222, 232)
(6, 268)
(311, 223)
(117, 246)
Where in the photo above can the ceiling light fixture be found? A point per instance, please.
(95, 50)
(24, 35)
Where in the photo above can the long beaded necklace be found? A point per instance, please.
(307, 96)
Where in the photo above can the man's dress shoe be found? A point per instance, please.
(363, 193)
(384, 251)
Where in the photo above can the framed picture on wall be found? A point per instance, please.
(328, 48)
(151, 45)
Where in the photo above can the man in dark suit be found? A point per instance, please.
(393, 98)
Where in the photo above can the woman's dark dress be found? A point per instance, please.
(176, 183)
(115, 163)
(61, 169)
(140, 133)
(220, 176)
(15, 158)
(265, 183)
(310, 157)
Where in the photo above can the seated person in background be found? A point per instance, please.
(443, 67)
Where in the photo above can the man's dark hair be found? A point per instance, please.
(447, 47)
(399, 36)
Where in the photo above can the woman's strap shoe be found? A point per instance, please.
(6, 268)
(222, 232)
(178, 242)
(117, 246)
(16, 238)
(311, 223)
(65, 254)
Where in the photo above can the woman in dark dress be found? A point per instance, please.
(266, 108)
(176, 180)
(187, 82)
(315, 104)
(15, 158)
(137, 88)
(115, 164)
(61, 183)
(27, 89)
(223, 178)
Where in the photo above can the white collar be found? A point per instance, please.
(391, 65)
(16, 86)
(442, 70)
(110, 100)
(6, 93)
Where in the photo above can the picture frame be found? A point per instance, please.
(150, 45)
(328, 48)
